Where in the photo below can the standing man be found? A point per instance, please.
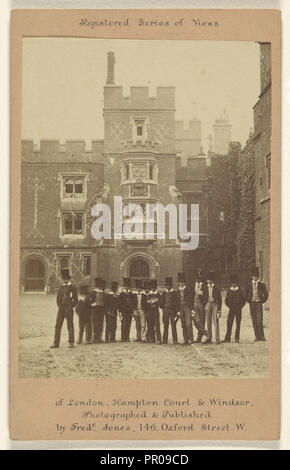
(257, 295)
(184, 305)
(198, 303)
(98, 309)
(168, 302)
(83, 310)
(126, 307)
(66, 300)
(213, 304)
(148, 313)
(154, 302)
(234, 301)
(140, 312)
(111, 307)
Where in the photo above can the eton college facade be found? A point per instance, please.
(147, 156)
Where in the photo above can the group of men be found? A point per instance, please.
(196, 305)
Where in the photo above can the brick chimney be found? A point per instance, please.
(110, 68)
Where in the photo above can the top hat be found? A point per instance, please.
(65, 274)
(138, 283)
(153, 283)
(210, 275)
(103, 284)
(98, 282)
(168, 281)
(198, 273)
(181, 277)
(147, 284)
(84, 290)
(255, 271)
(114, 286)
(234, 279)
(126, 282)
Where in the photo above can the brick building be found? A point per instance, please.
(262, 151)
(146, 157)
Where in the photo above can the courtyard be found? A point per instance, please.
(132, 360)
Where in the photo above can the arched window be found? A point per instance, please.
(139, 268)
(34, 275)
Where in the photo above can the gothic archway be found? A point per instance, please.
(34, 275)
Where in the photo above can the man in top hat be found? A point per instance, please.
(139, 314)
(213, 305)
(234, 301)
(83, 310)
(184, 305)
(257, 295)
(168, 303)
(112, 306)
(154, 303)
(198, 302)
(98, 309)
(127, 305)
(66, 300)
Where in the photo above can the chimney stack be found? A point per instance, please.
(110, 70)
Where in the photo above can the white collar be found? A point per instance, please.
(210, 285)
(234, 288)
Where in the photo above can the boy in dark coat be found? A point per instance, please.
(184, 306)
(127, 305)
(234, 301)
(83, 310)
(168, 303)
(112, 305)
(257, 295)
(198, 305)
(67, 299)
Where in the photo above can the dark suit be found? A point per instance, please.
(66, 300)
(185, 305)
(111, 308)
(256, 307)
(83, 310)
(168, 303)
(234, 301)
(127, 305)
(154, 333)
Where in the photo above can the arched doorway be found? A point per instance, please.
(34, 277)
(139, 269)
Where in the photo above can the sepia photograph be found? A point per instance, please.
(145, 209)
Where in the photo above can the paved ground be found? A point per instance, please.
(131, 360)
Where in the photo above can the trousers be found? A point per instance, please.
(256, 311)
(168, 316)
(64, 312)
(211, 311)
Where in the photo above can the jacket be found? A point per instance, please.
(216, 294)
(262, 292)
(235, 299)
(67, 295)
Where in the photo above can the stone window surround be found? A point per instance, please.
(73, 175)
(83, 256)
(63, 235)
(62, 254)
(130, 161)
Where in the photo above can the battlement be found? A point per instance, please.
(51, 150)
(139, 98)
(192, 131)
